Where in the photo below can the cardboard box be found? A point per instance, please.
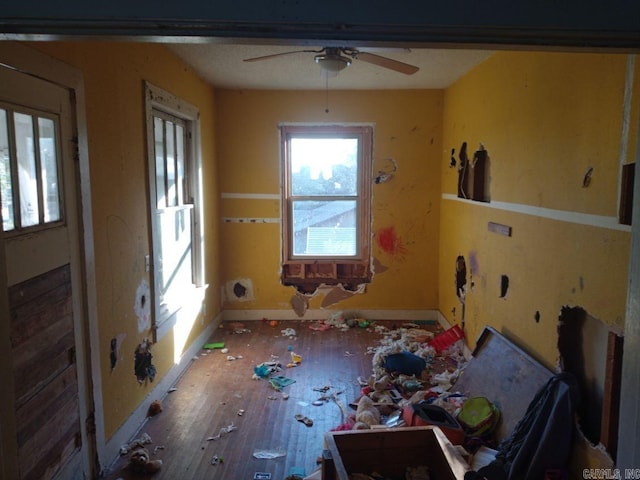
(390, 451)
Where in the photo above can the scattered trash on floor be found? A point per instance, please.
(213, 345)
(279, 382)
(306, 420)
(288, 332)
(237, 328)
(216, 459)
(269, 454)
(144, 439)
(223, 431)
(265, 369)
(261, 476)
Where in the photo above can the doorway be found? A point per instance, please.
(48, 429)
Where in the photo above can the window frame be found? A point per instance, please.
(42, 224)
(162, 104)
(315, 269)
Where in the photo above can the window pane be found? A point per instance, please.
(27, 176)
(49, 166)
(158, 134)
(6, 192)
(324, 228)
(324, 166)
(180, 155)
(171, 166)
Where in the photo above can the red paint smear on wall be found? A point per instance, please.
(389, 241)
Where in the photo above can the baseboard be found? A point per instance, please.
(137, 419)
(321, 314)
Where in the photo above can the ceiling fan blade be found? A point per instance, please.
(386, 62)
(274, 55)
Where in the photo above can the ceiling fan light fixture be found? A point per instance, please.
(332, 62)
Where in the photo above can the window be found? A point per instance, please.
(326, 204)
(176, 213)
(29, 176)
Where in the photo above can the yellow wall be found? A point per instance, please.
(545, 119)
(407, 128)
(113, 79)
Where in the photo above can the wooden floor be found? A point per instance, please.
(214, 389)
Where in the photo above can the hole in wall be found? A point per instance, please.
(582, 348)
(113, 356)
(504, 286)
(461, 276)
(537, 316)
(239, 290)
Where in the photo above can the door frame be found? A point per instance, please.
(32, 62)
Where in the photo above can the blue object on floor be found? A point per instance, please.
(405, 363)
(280, 382)
(297, 471)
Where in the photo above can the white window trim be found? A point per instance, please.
(159, 99)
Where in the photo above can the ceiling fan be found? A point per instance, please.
(335, 59)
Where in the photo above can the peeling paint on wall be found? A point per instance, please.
(390, 242)
(338, 293)
(300, 304)
(378, 267)
(142, 307)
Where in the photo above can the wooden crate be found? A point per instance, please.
(390, 451)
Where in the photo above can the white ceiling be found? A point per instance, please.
(222, 65)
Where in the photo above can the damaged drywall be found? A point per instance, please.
(114, 350)
(461, 277)
(582, 349)
(504, 286)
(332, 294)
(239, 290)
(142, 307)
(143, 366)
(461, 287)
(300, 304)
(338, 293)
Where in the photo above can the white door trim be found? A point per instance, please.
(30, 61)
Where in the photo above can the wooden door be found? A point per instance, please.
(39, 212)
